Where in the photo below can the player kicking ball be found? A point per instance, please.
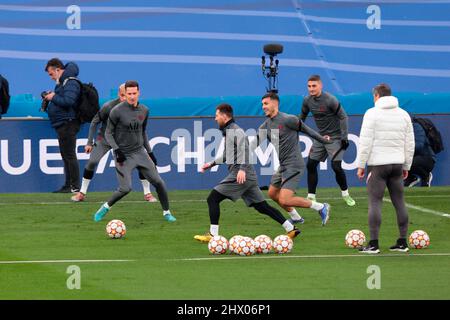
(282, 130)
(126, 134)
(241, 181)
(98, 149)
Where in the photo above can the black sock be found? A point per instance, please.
(265, 208)
(88, 174)
(214, 200)
(340, 175)
(313, 177)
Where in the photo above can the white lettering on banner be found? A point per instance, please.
(183, 154)
(308, 144)
(220, 150)
(269, 155)
(215, 148)
(45, 156)
(24, 167)
(153, 142)
(353, 165)
(186, 134)
(179, 145)
(81, 155)
(103, 161)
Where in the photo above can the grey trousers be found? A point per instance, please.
(147, 168)
(380, 177)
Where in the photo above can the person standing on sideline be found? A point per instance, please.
(126, 134)
(241, 181)
(282, 130)
(62, 113)
(100, 147)
(331, 120)
(386, 145)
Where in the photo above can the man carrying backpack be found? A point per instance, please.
(62, 113)
(423, 160)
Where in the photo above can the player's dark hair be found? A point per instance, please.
(382, 90)
(131, 84)
(314, 77)
(55, 63)
(271, 95)
(226, 109)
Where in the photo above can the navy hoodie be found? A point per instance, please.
(422, 145)
(62, 108)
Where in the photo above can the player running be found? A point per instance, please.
(126, 134)
(241, 181)
(98, 149)
(331, 119)
(281, 130)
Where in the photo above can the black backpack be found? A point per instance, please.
(4, 95)
(88, 104)
(433, 134)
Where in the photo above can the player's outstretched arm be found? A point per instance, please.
(93, 129)
(302, 127)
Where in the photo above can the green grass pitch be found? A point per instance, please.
(164, 262)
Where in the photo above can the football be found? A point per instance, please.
(355, 238)
(419, 239)
(282, 244)
(243, 246)
(116, 229)
(218, 245)
(263, 244)
(233, 244)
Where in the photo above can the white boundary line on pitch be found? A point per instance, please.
(274, 256)
(437, 213)
(59, 261)
(198, 200)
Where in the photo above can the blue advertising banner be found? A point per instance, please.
(30, 159)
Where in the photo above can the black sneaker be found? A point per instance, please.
(400, 246)
(372, 248)
(412, 182)
(64, 189)
(427, 181)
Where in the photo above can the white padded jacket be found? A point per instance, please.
(387, 135)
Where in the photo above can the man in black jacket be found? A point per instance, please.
(62, 112)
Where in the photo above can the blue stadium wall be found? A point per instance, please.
(207, 48)
(190, 55)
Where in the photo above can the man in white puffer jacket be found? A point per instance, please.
(386, 146)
